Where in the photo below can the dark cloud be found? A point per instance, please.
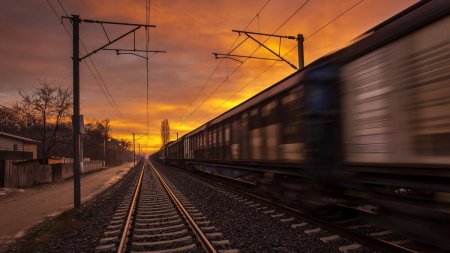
(34, 47)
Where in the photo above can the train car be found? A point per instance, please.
(363, 122)
(174, 150)
(161, 154)
(395, 121)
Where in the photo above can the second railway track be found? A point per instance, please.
(153, 217)
(329, 225)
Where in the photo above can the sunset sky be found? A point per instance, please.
(34, 47)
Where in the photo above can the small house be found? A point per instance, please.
(14, 147)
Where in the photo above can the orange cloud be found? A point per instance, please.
(190, 31)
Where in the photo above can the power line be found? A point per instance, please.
(198, 93)
(254, 17)
(218, 65)
(147, 41)
(237, 68)
(105, 87)
(290, 17)
(94, 70)
(99, 83)
(245, 86)
(334, 19)
(309, 36)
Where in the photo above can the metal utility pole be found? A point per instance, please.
(301, 54)
(76, 59)
(134, 145)
(249, 35)
(134, 150)
(139, 151)
(104, 144)
(76, 111)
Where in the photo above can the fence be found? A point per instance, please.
(28, 174)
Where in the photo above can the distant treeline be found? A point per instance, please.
(44, 115)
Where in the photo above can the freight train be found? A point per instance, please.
(370, 121)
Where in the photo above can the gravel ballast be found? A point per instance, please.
(248, 228)
(77, 231)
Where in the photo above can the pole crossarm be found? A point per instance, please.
(132, 51)
(266, 34)
(270, 50)
(135, 50)
(143, 57)
(278, 55)
(229, 56)
(75, 20)
(134, 142)
(142, 135)
(111, 41)
(108, 22)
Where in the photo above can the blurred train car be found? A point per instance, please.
(370, 121)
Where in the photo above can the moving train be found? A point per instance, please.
(370, 121)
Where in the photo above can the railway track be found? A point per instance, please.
(154, 217)
(337, 225)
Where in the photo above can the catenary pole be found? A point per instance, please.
(76, 59)
(76, 110)
(134, 150)
(301, 55)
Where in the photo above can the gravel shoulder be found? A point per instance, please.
(76, 231)
(248, 228)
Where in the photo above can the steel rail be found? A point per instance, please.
(356, 236)
(206, 244)
(126, 229)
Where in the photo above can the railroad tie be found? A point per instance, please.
(350, 247)
(327, 239)
(299, 225)
(312, 231)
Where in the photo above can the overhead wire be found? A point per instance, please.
(93, 70)
(334, 19)
(179, 120)
(98, 77)
(254, 51)
(147, 41)
(308, 37)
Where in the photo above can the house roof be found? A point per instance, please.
(20, 138)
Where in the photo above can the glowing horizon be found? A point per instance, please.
(190, 31)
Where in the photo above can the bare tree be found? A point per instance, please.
(9, 120)
(165, 132)
(125, 144)
(46, 109)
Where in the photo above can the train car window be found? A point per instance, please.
(235, 130)
(255, 119)
(429, 99)
(220, 133)
(197, 144)
(291, 110)
(268, 113)
(210, 138)
(244, 141)
(235, 138)
(220, 141)
(227, 134)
